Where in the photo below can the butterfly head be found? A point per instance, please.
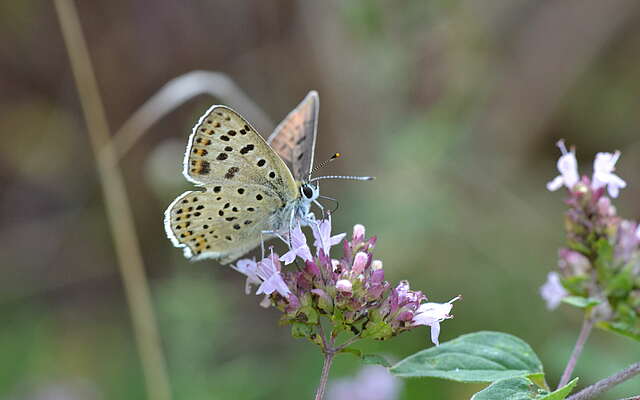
(309, 192)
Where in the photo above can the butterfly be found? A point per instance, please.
(253, 189)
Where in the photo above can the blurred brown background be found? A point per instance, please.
(454, 106)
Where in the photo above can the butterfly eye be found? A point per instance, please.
(307, 191)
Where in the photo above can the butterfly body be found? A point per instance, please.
(250, 193)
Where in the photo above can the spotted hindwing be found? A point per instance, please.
(225, 221)
(295, 137)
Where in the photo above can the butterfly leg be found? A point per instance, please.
(316, 202)
(274, 233)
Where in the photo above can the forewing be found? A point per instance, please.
(294, 139)
(223, 148)
(223, 222)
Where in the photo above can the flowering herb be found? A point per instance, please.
(601, 263)
(599, 269)
(346, 296)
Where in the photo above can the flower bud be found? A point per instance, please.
(358, 233)
(344, 285)
(359, 263)
(605, 208)
(573, 263)
(376, 265)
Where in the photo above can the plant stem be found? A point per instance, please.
(602, 386)
(117, 206)
(587, 325)
(347, 343)
(324, 377)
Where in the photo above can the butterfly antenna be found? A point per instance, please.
(352, 178)
(322, 165)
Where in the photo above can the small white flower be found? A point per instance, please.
(269, 271)
(552, 291)
(249, 268)
(568, 167)
(603, 167)
(322, 234)
(298, 247)
(376, 265)
(431, 314)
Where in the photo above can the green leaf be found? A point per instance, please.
(375, 359)
(310, 313)
(521, 389)
(621, 328)
(622, 282)
(299, 330)
(579, 247)
(581, 302)
(377, 330)
(509, 389)
(351, 350)
(604, 259)
(476, 357)
(372, 359)
(576, 285)
(561, 393)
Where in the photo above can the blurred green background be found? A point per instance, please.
(454, 106)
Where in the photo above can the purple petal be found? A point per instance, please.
(288, 257)
(377, 276)
(337, 239)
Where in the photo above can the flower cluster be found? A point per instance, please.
(601, 261)
(350, 291)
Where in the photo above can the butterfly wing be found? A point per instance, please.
(248, 189)
(224, 148)
(222, 222)
(294, 139)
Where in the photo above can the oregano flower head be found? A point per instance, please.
(350, 290)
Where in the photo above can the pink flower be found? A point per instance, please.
(323, 238)
(603, 167)
(573, 263)
(568, 167)
(298, 247)
(269, 272)
(249, 268)
(432, 314)
(552, 291)
(605, 208)
(359, 263)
